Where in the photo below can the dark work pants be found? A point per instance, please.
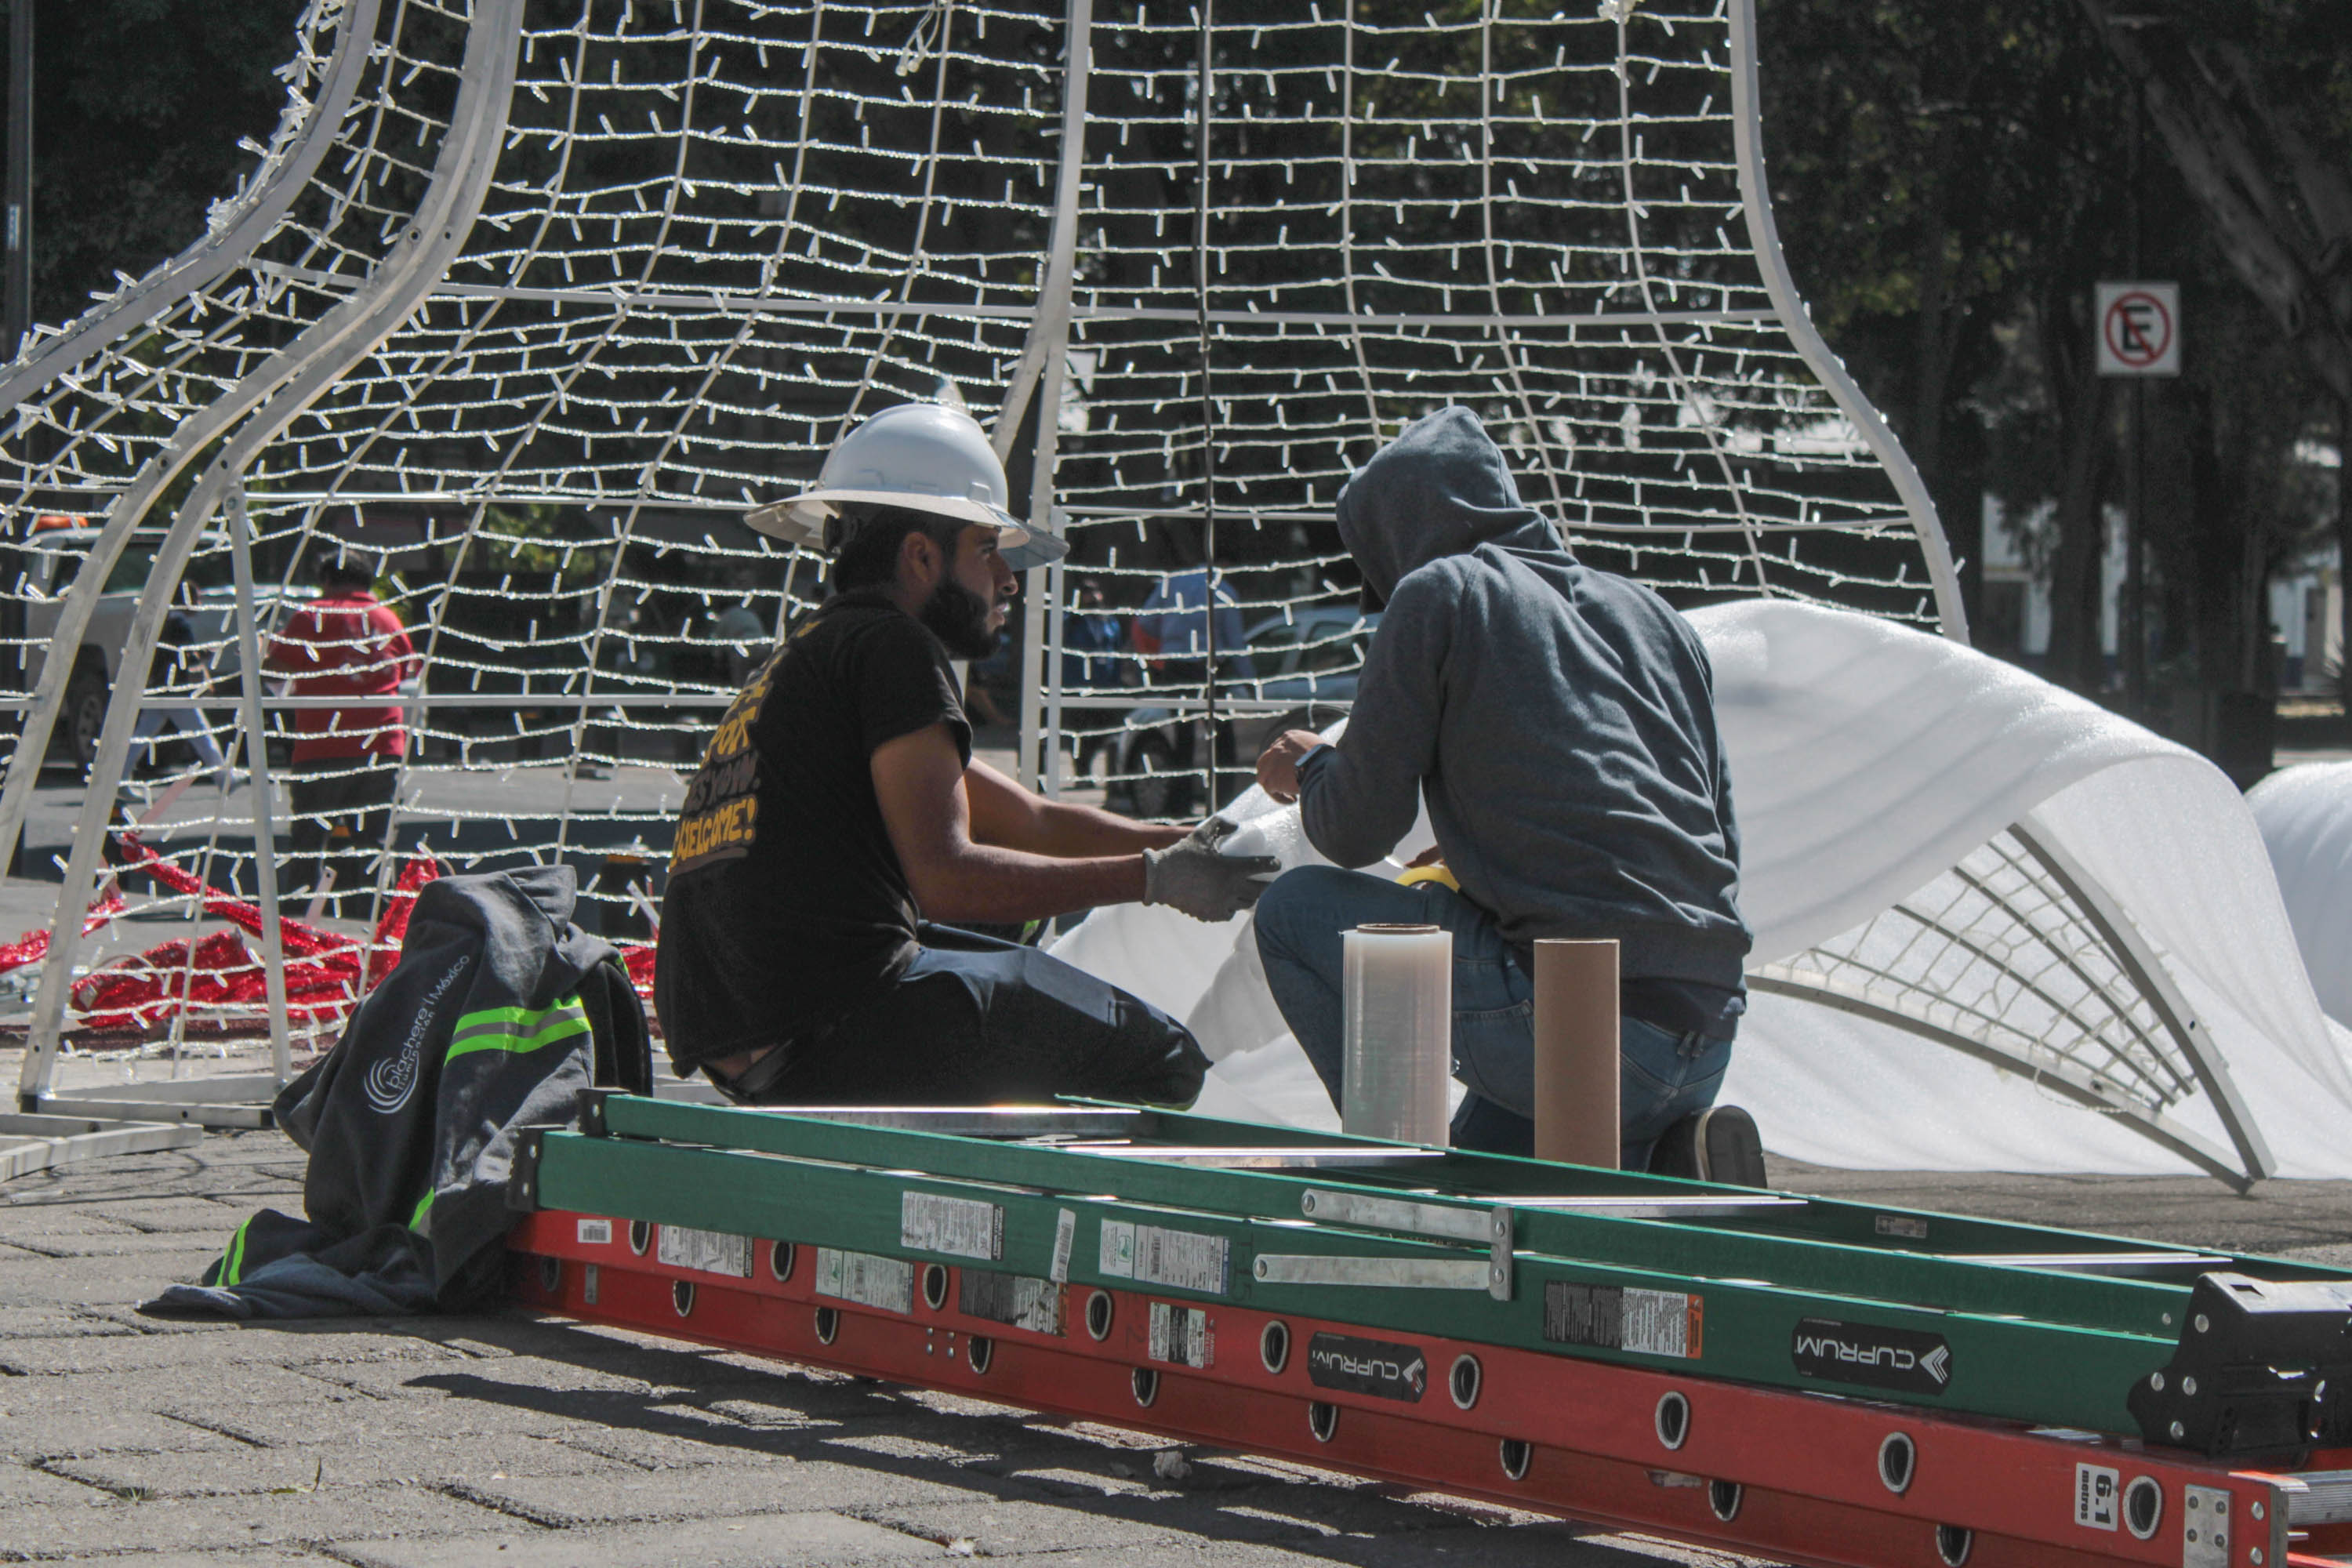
(342, 807)
(975, 1021)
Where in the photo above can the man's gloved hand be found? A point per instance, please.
(1191, 875)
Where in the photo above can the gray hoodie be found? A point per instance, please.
(1559, 720)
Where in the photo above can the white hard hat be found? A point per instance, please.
(921, 456)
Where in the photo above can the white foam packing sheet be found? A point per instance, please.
(2305, 814)
(1866, 761)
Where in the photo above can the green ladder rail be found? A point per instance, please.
(2024, 1322)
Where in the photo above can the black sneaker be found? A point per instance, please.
(1717, 1145)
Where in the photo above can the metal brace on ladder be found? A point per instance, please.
(1492, 1226)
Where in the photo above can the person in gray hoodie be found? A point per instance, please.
(1559, 721)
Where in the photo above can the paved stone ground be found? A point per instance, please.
(515, 1440)
(526, 1442)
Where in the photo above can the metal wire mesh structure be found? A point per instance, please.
(528, 301)
(2016, 957)
(1388, 209)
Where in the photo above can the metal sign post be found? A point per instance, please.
(2139, 336)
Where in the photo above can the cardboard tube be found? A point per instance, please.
(1576, 1052)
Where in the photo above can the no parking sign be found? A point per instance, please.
(2139, 328)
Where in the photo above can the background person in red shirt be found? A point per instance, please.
(345, 643)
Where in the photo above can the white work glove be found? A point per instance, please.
(1191, 875)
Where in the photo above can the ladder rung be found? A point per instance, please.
(970, 1121)
(1246, 1156)
(1696, 1205)
(2324, 1498)
(2092, 1260)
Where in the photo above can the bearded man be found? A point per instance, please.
(839, 826)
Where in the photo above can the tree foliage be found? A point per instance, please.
(1954, 178)
(2254, 104)
(139, 105)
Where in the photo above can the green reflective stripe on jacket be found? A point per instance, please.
(233, 1260)
(497, 1016)
(563, 1028)
(516, 1029)
(424, 1207)
(512, 1020)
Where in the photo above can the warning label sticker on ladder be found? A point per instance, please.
(961, 1227)
(1151, 1255)
(709, 1251)
(1013, 1298)
(870, 1281)
(1612, 1318)
(1181, 1335)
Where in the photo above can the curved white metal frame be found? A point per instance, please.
(259, 211)
(267, 400)
(1764, 235)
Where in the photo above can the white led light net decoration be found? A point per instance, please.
(530, 300)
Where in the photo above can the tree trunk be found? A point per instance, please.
(2213, 539)
(2342, 556)
(2076, 567)
(1935, 341)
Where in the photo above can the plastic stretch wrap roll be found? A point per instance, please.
(1397, 1030)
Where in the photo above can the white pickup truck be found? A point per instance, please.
(54, 558)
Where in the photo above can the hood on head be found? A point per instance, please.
(1440, 489)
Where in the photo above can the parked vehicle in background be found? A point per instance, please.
(1307, 660)
(54, 557)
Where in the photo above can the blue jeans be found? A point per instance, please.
(1663, 1077)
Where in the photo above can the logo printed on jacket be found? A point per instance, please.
(389, 1083)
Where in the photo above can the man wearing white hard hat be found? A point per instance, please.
(839, 827)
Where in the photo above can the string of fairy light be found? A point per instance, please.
(721, 231)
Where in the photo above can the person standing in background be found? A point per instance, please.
(179, 668)
(1174, 627)
(1092, 644)
(345, 643)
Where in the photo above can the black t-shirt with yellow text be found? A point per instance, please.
(787, 906)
